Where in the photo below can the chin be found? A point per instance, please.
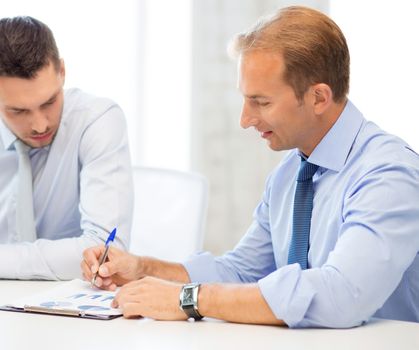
(275, 147)
(40, 143)
(278, 148)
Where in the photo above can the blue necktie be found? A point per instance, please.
(303, 205)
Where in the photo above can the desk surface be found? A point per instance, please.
(24, 331)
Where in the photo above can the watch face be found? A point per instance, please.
(188, 296)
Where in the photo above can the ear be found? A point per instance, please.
(322, 97)
(62, 70)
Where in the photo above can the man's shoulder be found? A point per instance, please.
(84, 111)
(379, 156)
(77, 101)
(376, 146)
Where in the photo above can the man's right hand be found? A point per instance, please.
(120, 268)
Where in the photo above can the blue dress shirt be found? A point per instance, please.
(82, 189)
(364, 241)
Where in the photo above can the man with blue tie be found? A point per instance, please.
(335, 238)
(65, 179)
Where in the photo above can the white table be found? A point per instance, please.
(34, 331)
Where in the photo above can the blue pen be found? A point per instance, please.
(105, 254)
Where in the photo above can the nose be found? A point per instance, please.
(39, 122)
(248, 117)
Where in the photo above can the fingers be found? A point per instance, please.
(115, 303)
(112, 287)
(119, 268)
(131, 310)
(90, 266)
(86, 271)
(127, 293)
(91, 258)
(118, 262)
(109, 268)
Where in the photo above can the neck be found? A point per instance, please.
(324, 124)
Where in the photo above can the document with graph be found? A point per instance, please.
(73, 298)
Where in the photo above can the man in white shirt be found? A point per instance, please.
(79, 157)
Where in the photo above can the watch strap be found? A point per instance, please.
(192, 312)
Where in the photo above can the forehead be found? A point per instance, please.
(262, 58)
(260, 70)
(29, 93)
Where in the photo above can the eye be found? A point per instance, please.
(258, 103)
(47, 104)
(262, 103)
(18, 111)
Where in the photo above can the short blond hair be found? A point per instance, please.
(313, 47)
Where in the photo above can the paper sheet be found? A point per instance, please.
(75, 296)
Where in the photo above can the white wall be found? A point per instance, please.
(384, 44)
(236, 161)
(100, 42)
(136, 52)
(165, 118)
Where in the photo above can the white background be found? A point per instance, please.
(383, 38)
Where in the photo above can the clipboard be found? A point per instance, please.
(75, 298)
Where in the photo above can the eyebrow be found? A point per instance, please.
(16, 109)
(51, 99)
(254, 97)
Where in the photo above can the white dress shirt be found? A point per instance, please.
(364, 239)
(82, 189)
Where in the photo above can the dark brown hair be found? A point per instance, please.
(26, 46)
(313, 47)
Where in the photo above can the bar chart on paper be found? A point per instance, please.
(73, 298)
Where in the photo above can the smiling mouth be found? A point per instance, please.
(265, 134)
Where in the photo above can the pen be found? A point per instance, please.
(105, 254)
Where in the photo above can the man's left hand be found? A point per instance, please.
(150, 297)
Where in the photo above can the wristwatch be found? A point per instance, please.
(188, 300)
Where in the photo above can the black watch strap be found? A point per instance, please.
(191, 312)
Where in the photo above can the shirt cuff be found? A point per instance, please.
(201, 267)
(287, 294)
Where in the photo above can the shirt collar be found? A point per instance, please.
(333, 150)
(7, 136)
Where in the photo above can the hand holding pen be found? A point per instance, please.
(105, 254)
(119, 268)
